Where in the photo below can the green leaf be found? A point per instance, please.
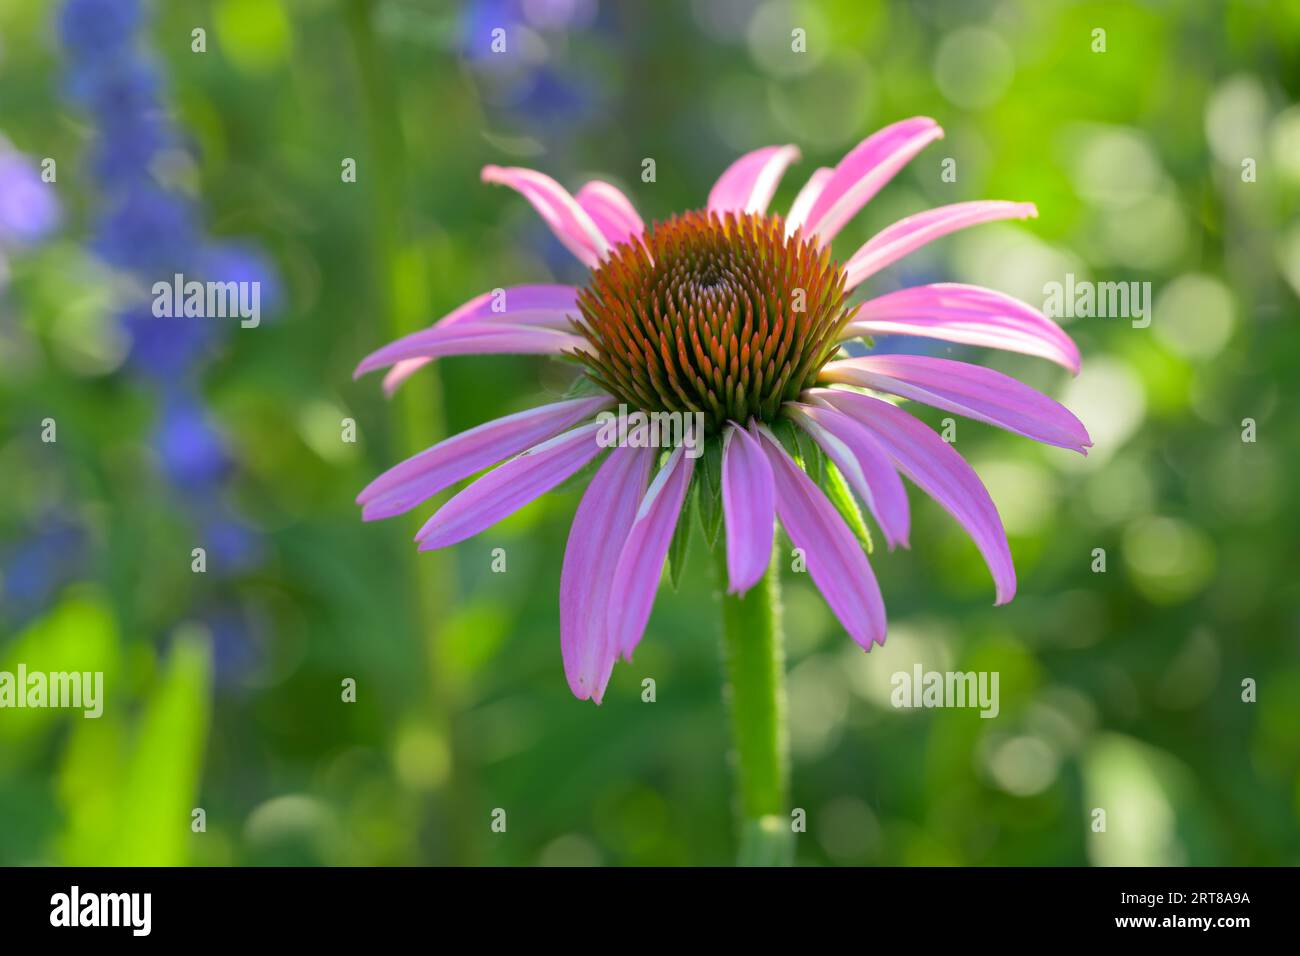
(810, 455)
(801, 447)
(785, 430)
(836, 488)
(129, 786)
(709, 497)
(161, 778)
(682, 534)
(79, 634)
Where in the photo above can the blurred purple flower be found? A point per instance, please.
(231, 543)
(97, 30)
(553, 98)
(33, 569)
(29, 210)
(117, 93)
(152, 233)
(237, 262)
(165, 349)
(480, 18)
(192, 454)
(148, 232)
(234, 641)
(559, 14)
(519, 79)
(133, 127)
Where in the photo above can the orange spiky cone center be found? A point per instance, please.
(720, 314)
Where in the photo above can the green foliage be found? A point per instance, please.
(839, 494)
(708, 499)
(681, 540)
(1121, 688)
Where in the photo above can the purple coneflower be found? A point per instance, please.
(739, 315)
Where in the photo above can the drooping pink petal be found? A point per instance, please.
(611, 211)
(553, 319)
(546, 305)
(570, 222)
(968, 314)
(600, 527)
(803, 202)
(866, 168)
(543, 306)
(472, 338)
(750, 182)
(938, 471)
(907, 235)
(400, 372)
(834, 557)
(969, 390)
(641, 561)
(865, 465)
(749, 508)
(508, 487)
(421, 477)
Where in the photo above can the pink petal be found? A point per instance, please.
(569, 221)
(866, 168)
(749, 183)
(834, 557)
(400, 372)
(611, 211)
(417, 479)
(596, 538)
(472, 338)
(803, 202)
(865, 465)
(968, 314)
(545, 306)
(749, 505)
(938, 471)
(907, 235)
(404, 369)
(507, 488)
(970, 390)
(641, 562)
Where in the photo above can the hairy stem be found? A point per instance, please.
(754, 659)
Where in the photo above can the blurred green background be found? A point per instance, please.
(1120, 690)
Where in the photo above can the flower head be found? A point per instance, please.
(736, 316)
(720, 314)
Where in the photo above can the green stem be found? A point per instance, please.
(755, 663)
